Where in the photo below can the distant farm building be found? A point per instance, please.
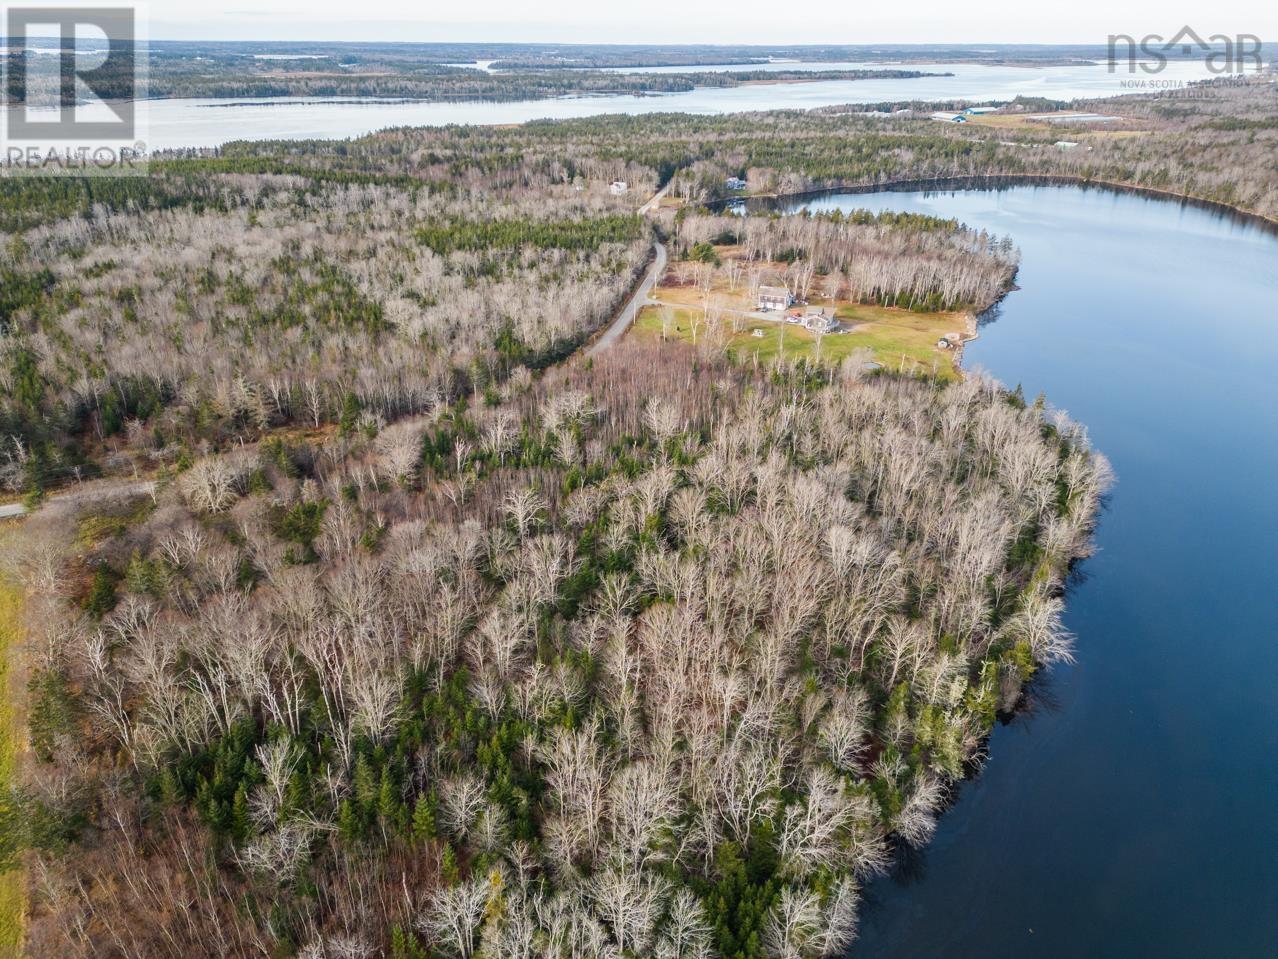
(618, 187)
(1073, 117)
(735, 183)
(774, 298)
(949, 117)
(978, 111)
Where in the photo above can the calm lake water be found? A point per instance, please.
(178, 123)
(1133, 811)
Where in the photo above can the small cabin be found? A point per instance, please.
(734, 183)
(773, 298)
(618, 187)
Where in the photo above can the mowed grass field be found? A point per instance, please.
(1080, 131)
(899, 339)
(12, 883)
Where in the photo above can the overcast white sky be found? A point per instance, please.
(689, 21)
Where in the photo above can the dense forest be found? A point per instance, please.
(313, 285)
(435, 637)
(648, 655)
(892, 259)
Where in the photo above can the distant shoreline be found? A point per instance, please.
(995, 181)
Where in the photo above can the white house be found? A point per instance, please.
(618, 187)
(734, 183)
(773, 298)
(819, 322)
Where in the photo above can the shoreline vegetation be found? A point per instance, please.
(247, 78)
(714, 750)
(995, 181)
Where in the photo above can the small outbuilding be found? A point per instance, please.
(734, 183)
(618, 187)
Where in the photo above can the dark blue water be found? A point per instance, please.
(1134, 810)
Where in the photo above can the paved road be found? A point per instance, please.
(655, 201)
(628, 313)
(111, 489)
(95, 491)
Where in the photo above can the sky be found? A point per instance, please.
(680, 21)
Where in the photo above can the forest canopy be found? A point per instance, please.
(656, 656)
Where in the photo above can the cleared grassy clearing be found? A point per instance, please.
(12, 882)
(899, 339)
(1080, 131)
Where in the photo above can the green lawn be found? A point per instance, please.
(12, 884)
(898, 338)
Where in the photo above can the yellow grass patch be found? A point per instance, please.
(899, 339)
(12, 883)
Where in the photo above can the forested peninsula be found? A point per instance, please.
(403, 628)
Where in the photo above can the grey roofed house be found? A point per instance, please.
(819, 322)
(773, 298)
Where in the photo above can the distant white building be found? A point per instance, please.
(949, 117)
(618, 187)
(735, 183)
(978, 111)
(773, 298)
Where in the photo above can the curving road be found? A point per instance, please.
(617, 329)
(110, 489)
